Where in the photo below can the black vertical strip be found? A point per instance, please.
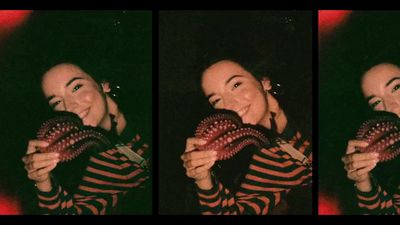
(315, 113)
(155, 108)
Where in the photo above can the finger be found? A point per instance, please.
(195, 155)
(192, 143)
(352, 144)
(190, 173)
(199, 162)
(33, 144)
(47, 169)
(34, 176)
(35, 165)
(43, 156)
(204, 168)
(356, 165)
(365, 170)
(360, 157)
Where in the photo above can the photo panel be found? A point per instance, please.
(237, 83)
(76, 83)
(358, 112)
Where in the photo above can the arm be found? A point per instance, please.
(220, 201)
(271, 175)
(108, 177)
(377, 200)
(372, 198)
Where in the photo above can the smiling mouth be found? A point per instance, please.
(84, 113)
(243, 110)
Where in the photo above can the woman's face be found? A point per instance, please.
(381, 88)
(229, 86)
(69, 88)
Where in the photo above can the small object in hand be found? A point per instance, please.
(382, 134)
(226, 134)
(67, 135)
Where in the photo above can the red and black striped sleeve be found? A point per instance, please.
(271, 175)
(108, 177)
(378, 201)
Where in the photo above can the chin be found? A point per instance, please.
(248, 121)
(88, 123)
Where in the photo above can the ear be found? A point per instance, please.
(105, 86)
(266, 83)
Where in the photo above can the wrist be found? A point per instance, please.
(364, 185)
(44, 186)
(205, 183)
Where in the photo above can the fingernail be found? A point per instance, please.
(214, 153)
(376, 154)
(203, 142)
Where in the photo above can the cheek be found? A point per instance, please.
(96, 102)
(255, 97)
(258, 105)
(86, 97)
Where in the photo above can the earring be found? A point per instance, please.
(276, 89)
(114, 89)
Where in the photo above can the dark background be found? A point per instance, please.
(116, 45)
(366, 39)
(281, 38)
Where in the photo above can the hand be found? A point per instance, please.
(38, 165)
(358, 165)
(198, 163)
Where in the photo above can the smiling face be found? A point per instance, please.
(381, 88)
(69, 88)
(229, 86)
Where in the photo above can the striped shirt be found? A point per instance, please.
(271, 175)
(378, 201)
(108, 177)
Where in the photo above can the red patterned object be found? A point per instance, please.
(383, 136)
(66, 135)
(226, 134)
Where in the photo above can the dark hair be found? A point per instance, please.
(258, 68)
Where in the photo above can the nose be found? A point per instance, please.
(392, 105)
(231, 103)
(70, 104)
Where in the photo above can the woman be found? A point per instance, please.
(380, 86)
(272, 172)
(108, 176)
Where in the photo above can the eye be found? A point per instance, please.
(77, 87)
(54, 104)
(237, 84)
(374, 104)
(214, 102)
(395, 88)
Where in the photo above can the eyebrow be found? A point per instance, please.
(226, 82)
(387, 84)
(66, 85)
(391, 81)
(370, 97)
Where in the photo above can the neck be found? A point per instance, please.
(280, 120)
(280, 116)
(119, 116)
